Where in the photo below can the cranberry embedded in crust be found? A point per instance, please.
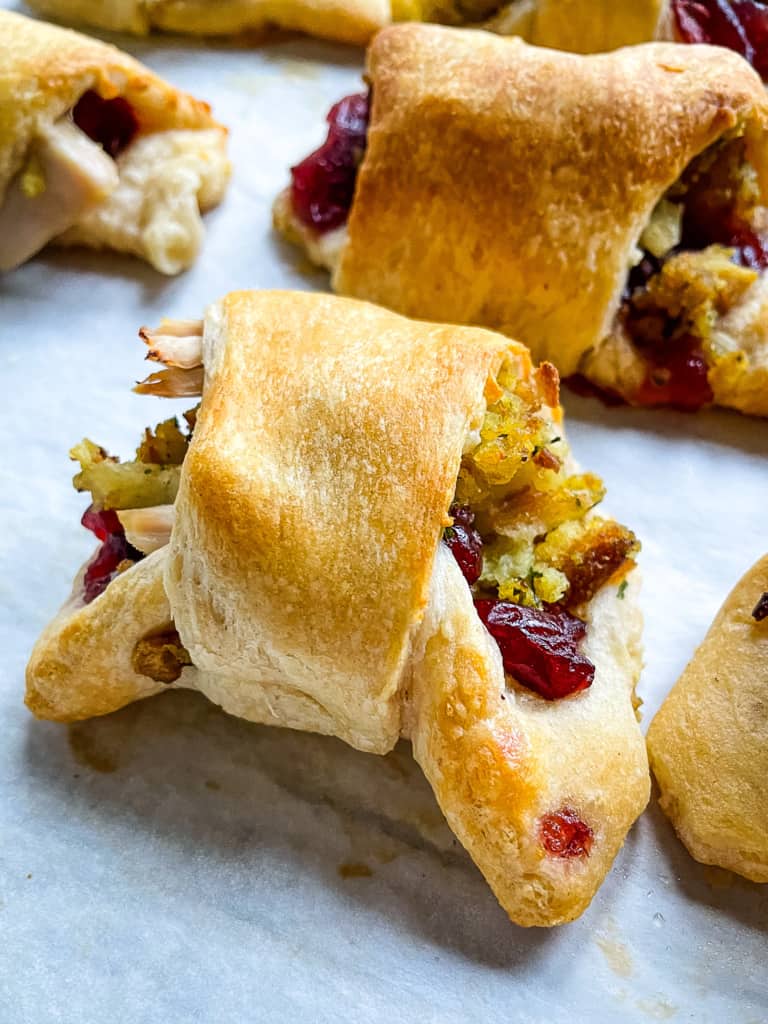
(323, 184)
(539, 646)
(465, 543)
(563, 834)
(112, 123)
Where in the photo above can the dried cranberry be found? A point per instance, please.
(323, 184)
(539, 646)
(112, 123)
(114, 550)
(677, 376)
(754, 18)
(740, 25)
(564, 834)
(465, 543)
(750, 249)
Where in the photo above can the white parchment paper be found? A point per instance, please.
(170, 864)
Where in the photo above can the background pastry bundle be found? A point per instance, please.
(688, 559)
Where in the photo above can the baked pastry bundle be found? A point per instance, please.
(373, 528)
(96, 150)
(708, 744)
(607, 210)
(582, 26)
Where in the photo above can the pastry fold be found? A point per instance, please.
(143, 197)
(708, 744)
(511, 186)
(308, 584)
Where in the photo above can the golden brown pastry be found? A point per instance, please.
(708, 744)
(581, 26)
(97, 150)
(372, 519)
(607, 210)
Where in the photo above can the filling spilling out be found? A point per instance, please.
(68, 170)
(522, 531)
(323, 184)
(534, 554)
(132, 503)
(705, 245)
(526, 544)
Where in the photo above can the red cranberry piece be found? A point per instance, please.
(712, 21)
(677, 377)
(564, 834)
(740, 25)
(539, 646)
(754, 18)
(705, 225)
(750, 248)
(114, 550)
(465, 543)
(323, 184)
(112, 123)
(101, 522)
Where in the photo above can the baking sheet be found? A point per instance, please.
(171, 864)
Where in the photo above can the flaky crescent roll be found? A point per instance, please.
(378, 532)
(607, 210)
(708, 744)
(97, 150)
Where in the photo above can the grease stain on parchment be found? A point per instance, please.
(88, 751)
(291, 69)
(657, 1009)
(354, 869)
(616, 952)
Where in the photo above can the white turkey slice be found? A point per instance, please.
(65, 175)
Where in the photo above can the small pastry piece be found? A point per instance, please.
(607, 210)
(708, 744)
(348, 21)
(96, 150)
(373, 527)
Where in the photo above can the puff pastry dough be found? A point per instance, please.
(708, 744)
(307, 581)
(57, 185)
(512, 186)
